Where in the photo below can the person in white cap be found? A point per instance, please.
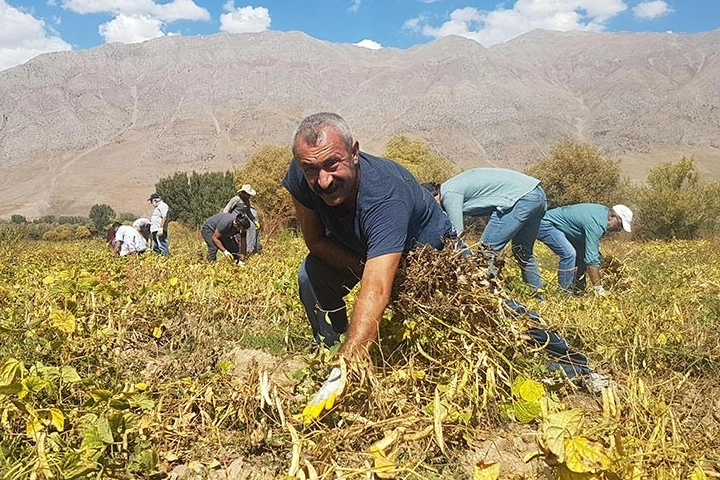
(131, 240)
(573, 232)
(240, 203)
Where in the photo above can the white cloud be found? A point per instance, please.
(367, 43)
(166, 12)
(355, 6)
(491, 27)
(23, 37)
(245, 19)
(651, 10)
(131, 29)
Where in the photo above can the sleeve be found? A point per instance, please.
(452, 203)
(230, 205)
(592, 246)
(386, 228)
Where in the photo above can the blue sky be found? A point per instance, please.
(31, 27)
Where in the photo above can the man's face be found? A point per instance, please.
(329, 168)
(155, 202)
(614, 223)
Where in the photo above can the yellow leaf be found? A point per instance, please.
(384, 466)
(63, 321)
(557, 427)
(173, 281)
(698, 474)
(489, 471)
(57, 419)
(583, 456)
(33, 427)
(157, 332)
(661, 339)
(142, 386)
(564, 473)
(527, 389)
(49, 280)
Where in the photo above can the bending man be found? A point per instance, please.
(573, 232)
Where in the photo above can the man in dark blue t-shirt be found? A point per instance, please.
(358, 214)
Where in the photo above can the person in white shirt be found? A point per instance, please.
(129, 240)
(158, 225)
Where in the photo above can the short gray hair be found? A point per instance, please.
(311, 129)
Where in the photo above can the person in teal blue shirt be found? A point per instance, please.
(573, 232)
(515, 203)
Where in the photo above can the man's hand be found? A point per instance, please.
(228, 254)
(599, 291)
(160, 232)
(324, 399)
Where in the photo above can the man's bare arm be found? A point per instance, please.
(321, 245)
(374, 296)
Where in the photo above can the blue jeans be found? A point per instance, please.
(572, 256)
(564, 358)
(160, 244)
(322, 288)
(519, 224)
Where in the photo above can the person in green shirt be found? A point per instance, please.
(573, 232)
(515, 203)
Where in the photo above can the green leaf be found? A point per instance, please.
(10, 371)
(100, 395)
(35, 384)
(557, 427)
(142, 401)
(12, 389)
(103, 429)
(120, 403)
(525, 411)
(69, 375)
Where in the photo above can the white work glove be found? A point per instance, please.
(160, 232)
(599, 291)
(324, 399)
(227, 254)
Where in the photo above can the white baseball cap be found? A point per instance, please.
(625, 214)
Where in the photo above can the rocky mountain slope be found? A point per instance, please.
(103, 125)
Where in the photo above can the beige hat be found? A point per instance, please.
(625, 214)
(247, 189)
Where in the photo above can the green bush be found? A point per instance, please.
(100, 215)
(264, 170)
(419, 158)
(194, 198)
(578, 173)
(675, 204)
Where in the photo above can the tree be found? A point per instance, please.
(18, 219)
(264, 170)
(100, 215)
(578, 173)
(674, 203)
(419, 159)
(192, 199)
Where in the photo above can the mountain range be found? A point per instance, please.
(103, 125)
